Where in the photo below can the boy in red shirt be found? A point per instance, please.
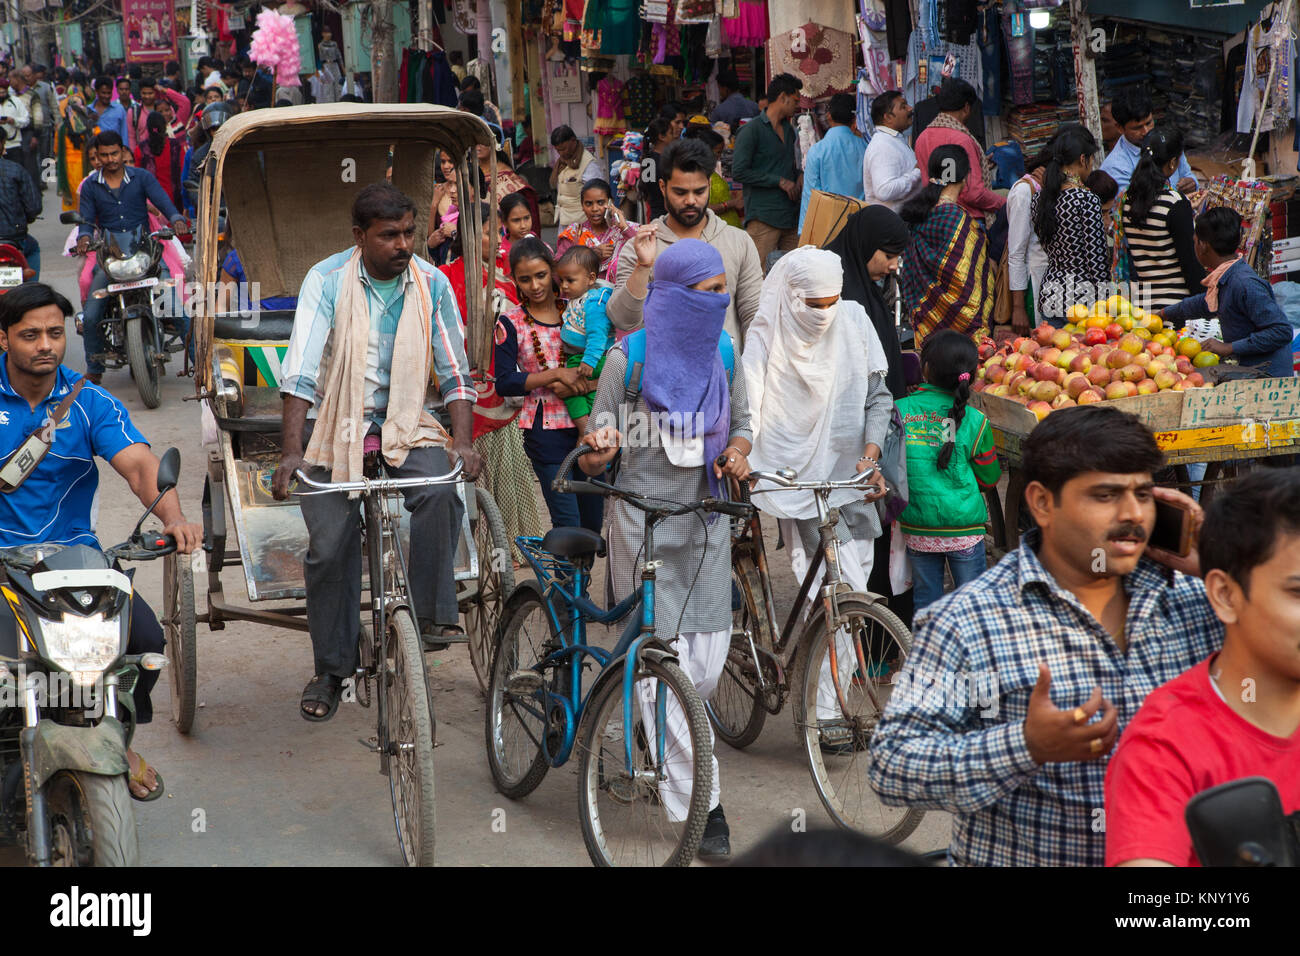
(1237, 714)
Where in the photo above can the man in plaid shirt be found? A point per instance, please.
(1074, 629)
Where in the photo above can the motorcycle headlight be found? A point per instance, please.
(128, 269)
(83, 646)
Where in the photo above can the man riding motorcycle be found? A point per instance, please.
(213, 115)
(56, 502)
(116, 198)
(20, 204)
(375, 325)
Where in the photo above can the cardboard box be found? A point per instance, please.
(827, 213)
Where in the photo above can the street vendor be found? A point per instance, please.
(1255, 331)
(374, 325)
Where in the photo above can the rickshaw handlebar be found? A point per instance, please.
(375, 485)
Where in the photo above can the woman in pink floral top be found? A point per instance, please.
(604, 229)
(529, 362)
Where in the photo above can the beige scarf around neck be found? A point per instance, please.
(338, 438)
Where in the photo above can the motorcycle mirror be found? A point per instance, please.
(70, 219)
(1240, 823)
(169, 470)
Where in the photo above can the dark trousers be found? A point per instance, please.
(146, 638)
(332, 566)
(569, 510)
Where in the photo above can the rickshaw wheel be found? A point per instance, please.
(178, 621)
(496, 579)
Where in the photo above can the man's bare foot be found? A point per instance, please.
(141, 785)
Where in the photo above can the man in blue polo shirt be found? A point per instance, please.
(115, 198)
(57, 502)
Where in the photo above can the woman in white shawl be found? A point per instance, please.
(819, 404)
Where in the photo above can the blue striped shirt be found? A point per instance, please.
(941, 745)
(306, 362)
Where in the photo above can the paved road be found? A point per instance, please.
(254, 784)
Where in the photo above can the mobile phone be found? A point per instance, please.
(1173, 530)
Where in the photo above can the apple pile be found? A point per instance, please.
(1059, 368)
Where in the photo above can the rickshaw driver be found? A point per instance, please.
(344, 366)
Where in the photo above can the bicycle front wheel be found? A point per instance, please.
(408, 737)
(736, 708)
(517, 720)
(655, 815)
(871, 644)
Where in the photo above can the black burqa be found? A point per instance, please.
(869, 229)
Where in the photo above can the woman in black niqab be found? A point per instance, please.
(872, 229)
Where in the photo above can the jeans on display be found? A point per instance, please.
(1020, 62)
(989, 36)
(927, 571)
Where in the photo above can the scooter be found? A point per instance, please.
(66, 711)
(1241, 823)
(14, 270)
(133, 334)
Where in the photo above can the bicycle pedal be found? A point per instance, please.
(524, 683)
(372, 744)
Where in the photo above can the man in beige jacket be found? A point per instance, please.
(683, 174)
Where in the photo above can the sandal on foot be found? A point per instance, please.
(432, 635)
(139, 777)
(321, 689)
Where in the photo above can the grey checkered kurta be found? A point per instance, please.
(685, 545)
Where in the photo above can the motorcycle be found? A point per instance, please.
(133, 334)
(14, 270)
(66, 711)
(1241, 823)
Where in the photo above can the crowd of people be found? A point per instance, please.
(682, 300)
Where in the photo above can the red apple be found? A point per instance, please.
(1094, 337)
(995, 373)
(1114, 331)
(1041, 409)
(1099, 375)
(1064, 359)
(1165, 379)
(1118, 358)
(1045, 391)
(1080, 363)
(1043, 334)
(1090, 395)
(1147, 387)
(1120, 389)
(1062, 339)
(1015, 360)
(979, 385)
(985, 350)
(1143, 359)
(1132, 373)
(1028, 347)
(1026, 385)
(1183, 366)
(999, 390)
(1045, 372)
(1195, 380)
(1098, 353)
(1062, 401)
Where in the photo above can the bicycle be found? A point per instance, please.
(762, 667)
(392, 657)
(537, 712)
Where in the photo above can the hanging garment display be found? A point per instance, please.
(749, 26)
(694, 11)
(611, 113)
(1267, 41)
(823, 61)
(640, 100)
(465, 16)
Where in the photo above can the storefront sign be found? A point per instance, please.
(565, 81)
(150, 30)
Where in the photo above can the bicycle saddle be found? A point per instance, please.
(573, 543)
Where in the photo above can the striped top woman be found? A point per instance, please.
(1158, 227)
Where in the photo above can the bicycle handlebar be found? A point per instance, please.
(372, 485)
(562, 484)
(565, 485)
(857, 482)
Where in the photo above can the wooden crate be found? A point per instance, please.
(1162, 411)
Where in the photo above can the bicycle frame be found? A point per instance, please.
(572, 630)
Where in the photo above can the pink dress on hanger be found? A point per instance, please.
(750, 28)
(611, 114)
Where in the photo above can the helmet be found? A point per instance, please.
(214, 114)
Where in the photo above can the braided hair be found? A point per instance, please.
(950, 359)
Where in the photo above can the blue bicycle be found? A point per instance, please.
(645, 754)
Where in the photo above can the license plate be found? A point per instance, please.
(137, 284)
(10, 276)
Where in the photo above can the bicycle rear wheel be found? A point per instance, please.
(650, 819)
(736, 708)
(876, 643)
(517, 720)
(408, 738)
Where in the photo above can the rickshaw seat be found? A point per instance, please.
(270, 325)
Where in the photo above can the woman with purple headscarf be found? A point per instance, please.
(686, 415)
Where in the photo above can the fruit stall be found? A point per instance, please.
(1113, 352)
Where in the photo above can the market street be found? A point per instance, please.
(254, 784)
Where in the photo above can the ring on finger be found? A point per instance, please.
(1080, 717)
(1095, 745)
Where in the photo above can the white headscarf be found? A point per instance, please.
(807, 374)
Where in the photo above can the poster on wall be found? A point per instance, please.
(565, 82)
(150, 31)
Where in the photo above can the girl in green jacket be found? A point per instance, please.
(950, 460)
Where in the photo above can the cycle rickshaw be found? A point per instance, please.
(283, 180)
